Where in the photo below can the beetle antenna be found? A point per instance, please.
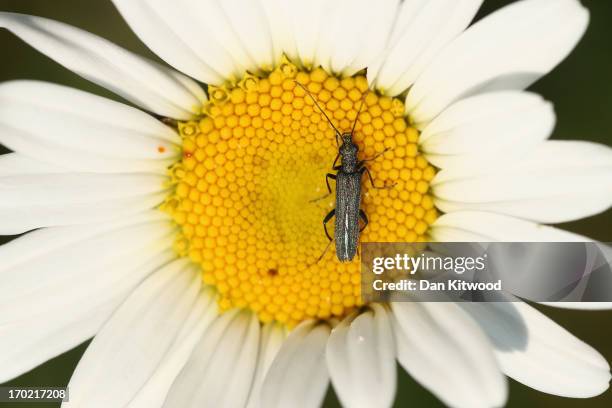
(359, 111)
(321, 109)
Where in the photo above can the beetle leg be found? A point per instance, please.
(326, 220)
(335, 161)
(366, 170)
(361, 163)
(327, 177)
(364, 217)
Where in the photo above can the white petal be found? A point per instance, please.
(272, 337)
(372, 34)
(298, 376)
(485, 129)
(509, 49)
(329, 52)
(102, 135)
(122, 249)
(443, 349)
(183, 45)
(361, 360)
(42, 262)
(248, 19)
(200, 38)
(353, 34)
(220, 371)
(130, 346)
(35, 147)
(539, 353)
(54, 297)
(307, 19)
(473, 226)
(556, 181)
(43, 241)
(422, 29)
(143, 82)
(40, 200)
(605, 251)
(221, 29)
(203, 313)
(18, 164)
(51, 322)
(29, 344)
(281, 30)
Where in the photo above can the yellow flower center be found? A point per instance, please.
(248, 190)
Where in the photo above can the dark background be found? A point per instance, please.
(581, 89)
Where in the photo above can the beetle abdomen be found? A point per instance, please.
(348, 199)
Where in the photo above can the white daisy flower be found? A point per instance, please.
(184, 246)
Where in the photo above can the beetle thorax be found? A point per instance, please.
(348, 153)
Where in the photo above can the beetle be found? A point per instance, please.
(348, 190)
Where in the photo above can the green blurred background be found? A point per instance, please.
(581, 89)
